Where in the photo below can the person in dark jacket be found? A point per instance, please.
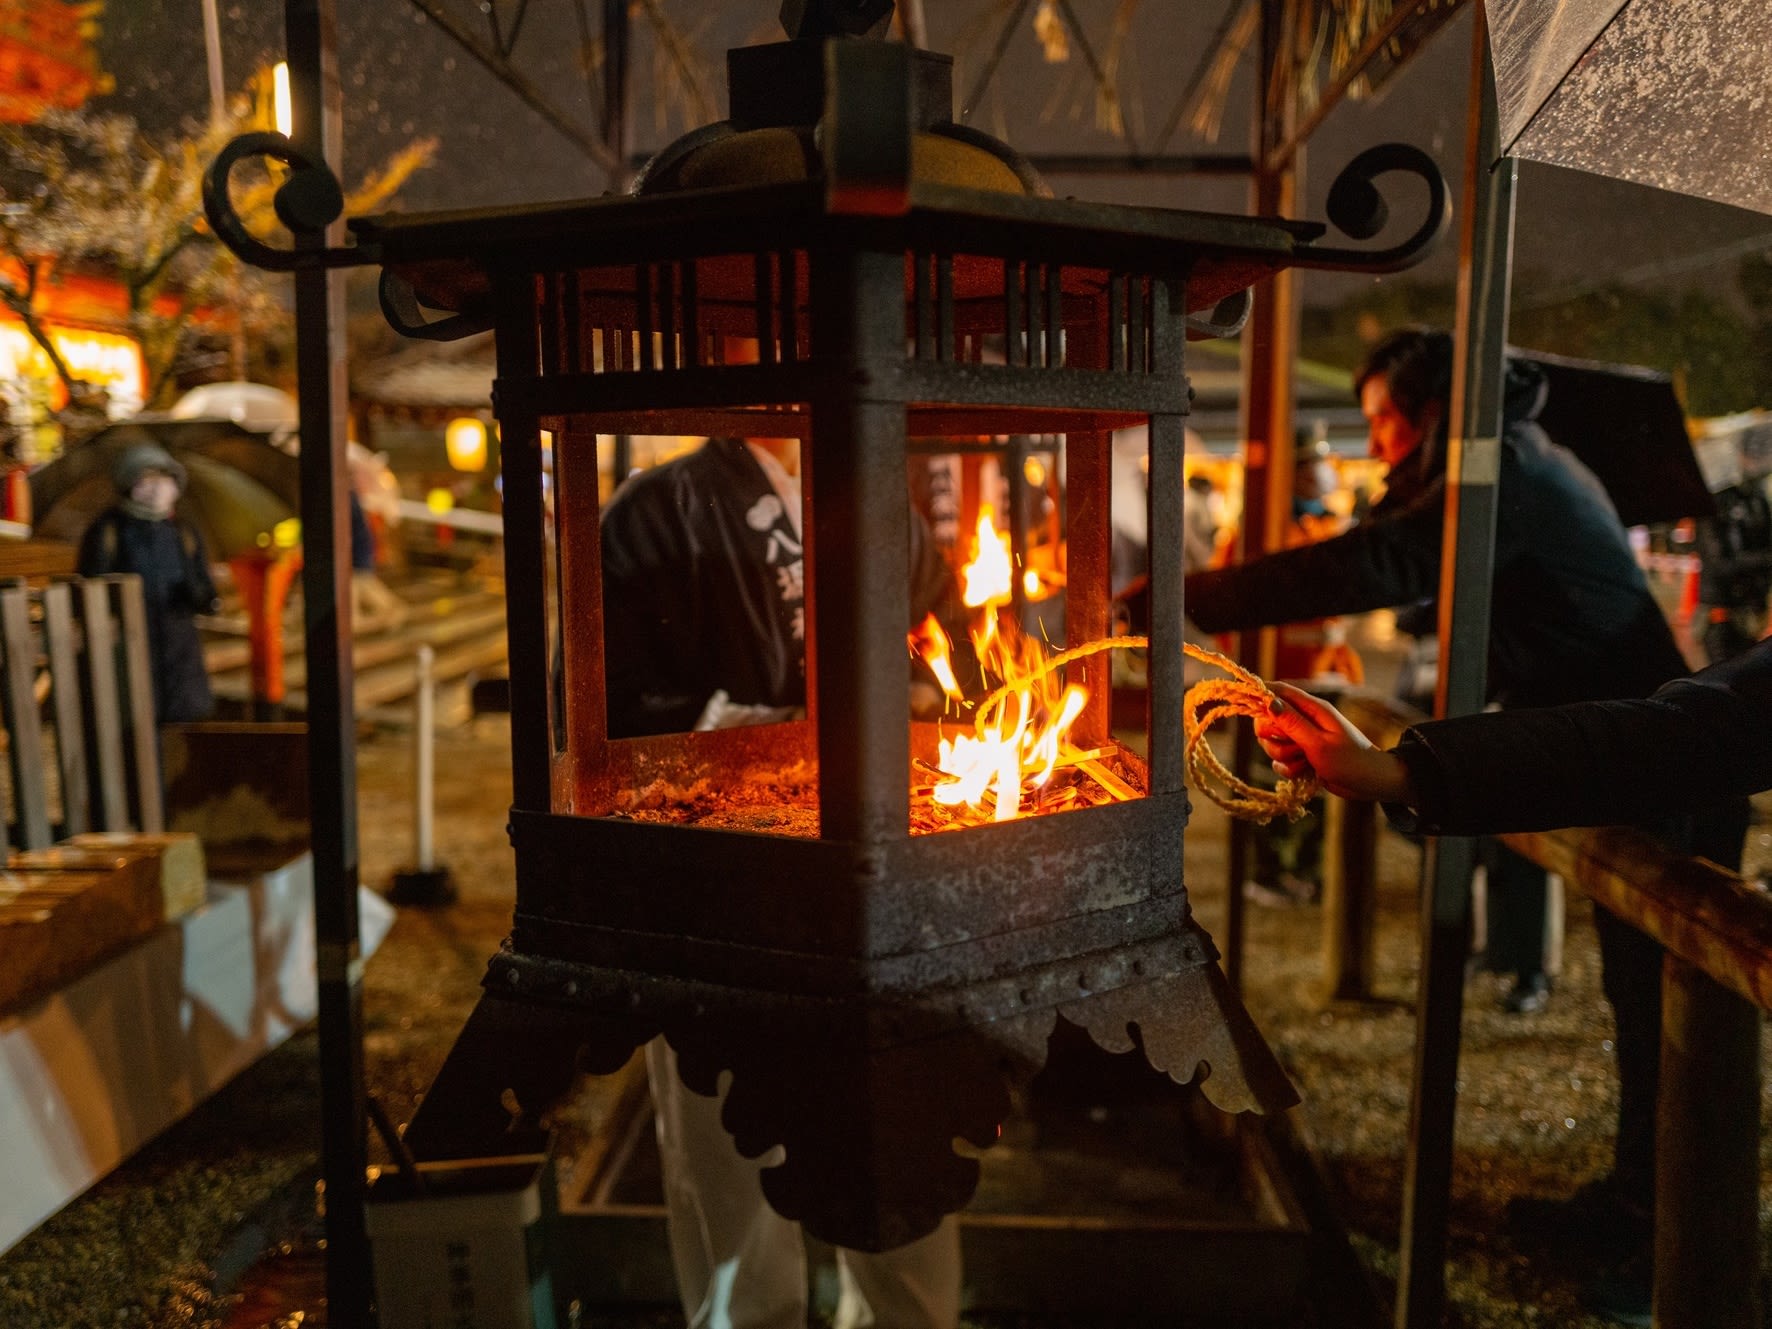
(703, 590)
(1573, 620)
(1694, 743)
(142, 534)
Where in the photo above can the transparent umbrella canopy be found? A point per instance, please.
(1676, 94)
(239, 487)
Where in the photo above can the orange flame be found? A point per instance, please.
(989, 576)
(930, 644)
(1018, 741)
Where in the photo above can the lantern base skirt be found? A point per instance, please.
(866, 1094)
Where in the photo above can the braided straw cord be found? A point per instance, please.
(1240, 694)
(1209, 700)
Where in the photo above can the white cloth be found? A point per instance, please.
(740, 1265)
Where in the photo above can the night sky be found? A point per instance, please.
(404, 77)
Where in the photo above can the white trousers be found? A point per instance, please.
(741, 1265)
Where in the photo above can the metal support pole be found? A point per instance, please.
(1467, 561)
(311, 39)
(1707, 1155)
(425, 883)
(616, 46)
(1015, 460)
(857, 549)
(1270, 347)
(1350, 898)
(621, 460)
(218, 97)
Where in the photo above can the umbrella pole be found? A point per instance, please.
(311, 36)
(1485, 271)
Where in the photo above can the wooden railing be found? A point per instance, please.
(1717, 979)
(74, 653)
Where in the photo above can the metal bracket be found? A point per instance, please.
(405, 313)
(307, 203)
(1357, 209)
(1226, 319)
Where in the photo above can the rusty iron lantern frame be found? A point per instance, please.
(873, 992)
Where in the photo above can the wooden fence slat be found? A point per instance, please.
(103, 721)
(30, 791)
(141, 737)
(64, 699)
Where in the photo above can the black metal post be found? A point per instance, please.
(859, 548)
(616, 47)
(1015, 460)
(1473, 468)
(1167, 435)
(310, 31)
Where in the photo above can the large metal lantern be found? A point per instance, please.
(873, 991)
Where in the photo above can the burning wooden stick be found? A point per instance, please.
(1122, 792)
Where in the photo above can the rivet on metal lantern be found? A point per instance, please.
(873, 990)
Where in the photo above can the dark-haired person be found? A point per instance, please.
(1572, 620)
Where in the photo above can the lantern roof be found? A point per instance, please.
(449, 258)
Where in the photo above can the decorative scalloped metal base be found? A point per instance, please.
(866, 1097)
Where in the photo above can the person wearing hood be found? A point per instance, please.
(1572, 620)
(142, 534)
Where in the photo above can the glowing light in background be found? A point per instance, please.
(280, 102)
(464, 439)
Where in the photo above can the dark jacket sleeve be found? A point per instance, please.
(651, 610)
(1387, 561)
(99, 546)
(1695, 743)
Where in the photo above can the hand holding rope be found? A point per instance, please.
(1206, 702)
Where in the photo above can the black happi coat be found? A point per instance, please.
(1697, 742)
(1572, 616)
(169, 558)
(703, 590)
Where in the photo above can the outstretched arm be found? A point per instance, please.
(1302, 733)
(1697, 742)
(1390, 560)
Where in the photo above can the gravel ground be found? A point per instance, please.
(169, 1239)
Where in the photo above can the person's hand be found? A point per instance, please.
(1307, 734)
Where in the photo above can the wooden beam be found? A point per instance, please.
(1337, 90)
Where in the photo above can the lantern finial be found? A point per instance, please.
(808, 20)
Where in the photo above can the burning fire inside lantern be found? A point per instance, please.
(1006, 766)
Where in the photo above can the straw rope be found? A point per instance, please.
(1207, 701)
(1240, 694)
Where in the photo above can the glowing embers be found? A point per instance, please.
(1018, 759)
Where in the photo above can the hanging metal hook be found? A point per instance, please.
(307, 203)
